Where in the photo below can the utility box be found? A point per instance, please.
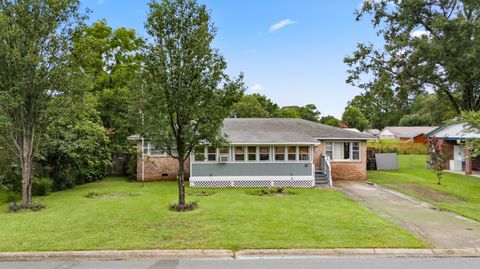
(386, 161)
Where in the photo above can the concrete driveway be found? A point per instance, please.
(442, 229)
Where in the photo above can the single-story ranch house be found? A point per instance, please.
(412, 134)
(265, 152)
(453, 136)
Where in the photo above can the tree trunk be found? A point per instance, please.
(26, 181)
(181, 182)
(26, 163)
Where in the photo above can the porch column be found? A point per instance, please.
(468, 161)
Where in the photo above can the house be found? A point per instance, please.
(453, 136)
(264, 152)
(374, 132)
(413, 134)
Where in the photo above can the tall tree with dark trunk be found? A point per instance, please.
(187, 93)
(34, 69)
(430, 45)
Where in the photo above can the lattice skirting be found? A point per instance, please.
(239, 183)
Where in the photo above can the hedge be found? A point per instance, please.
(389, 146)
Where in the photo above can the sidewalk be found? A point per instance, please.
(442, 229)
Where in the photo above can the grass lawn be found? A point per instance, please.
(128, 216)
(457, 193)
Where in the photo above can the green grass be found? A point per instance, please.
(128, 216)
(457, 193)
(3, 195)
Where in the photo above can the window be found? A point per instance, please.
(356, 151)
(264, 153)
(199, 153)
(280, 153)
(329, 149)
(292, 153)
(239, 154)
(150, 150)
(342, 150)
(211, 154)
(303, 154)
(346, 150)
(252, 154)
(224, 152)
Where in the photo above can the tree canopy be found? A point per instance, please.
(354, 118)
(187, 93)
(429, 46)
(36, 67)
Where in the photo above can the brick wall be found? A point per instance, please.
(159, 168)
(341, 170)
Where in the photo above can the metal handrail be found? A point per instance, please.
(326, 167)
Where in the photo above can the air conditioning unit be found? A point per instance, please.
(223, 159)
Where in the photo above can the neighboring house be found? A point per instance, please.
(454, 136)
(374, 132)
(269, 152)
(413, 134)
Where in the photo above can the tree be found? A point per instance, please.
(307, 112)
(354, 118)
(267, 104)
(249, 107)
(75, 147)
(113, 59)
(429, 45)
(35, 68)
(188, 94)
(438, 157)
(330, 120)
(415, 120)
(434, 107)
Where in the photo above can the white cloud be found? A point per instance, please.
(99, 2)
(419, 33)
(279, 25)
(255, 88)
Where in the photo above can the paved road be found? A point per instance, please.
(441, 228)
(273, 263)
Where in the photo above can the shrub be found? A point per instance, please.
(271, 192)
(187, 207)
(395, 146)
(14, 207)
(42, 186)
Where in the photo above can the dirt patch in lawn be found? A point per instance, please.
(430, 194)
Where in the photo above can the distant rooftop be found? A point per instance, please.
(400, 130)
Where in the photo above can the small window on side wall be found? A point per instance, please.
(329, 149)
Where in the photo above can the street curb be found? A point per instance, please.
(227, 254)
(373, 252)
(116, 255)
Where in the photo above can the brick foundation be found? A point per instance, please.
(158, 168)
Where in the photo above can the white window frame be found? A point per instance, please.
(206, 155)
(350, 159)
(149, 147)
(234, 158)
(269, 154)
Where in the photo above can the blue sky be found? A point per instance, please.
(299, 61)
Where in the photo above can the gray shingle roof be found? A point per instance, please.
(281, 130)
